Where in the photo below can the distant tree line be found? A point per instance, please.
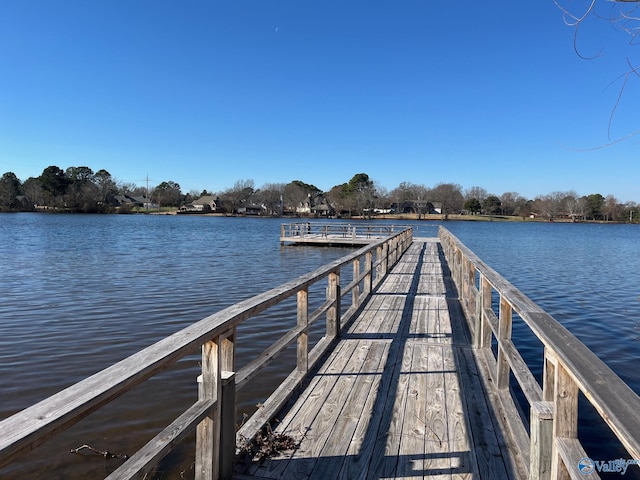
(80, 189)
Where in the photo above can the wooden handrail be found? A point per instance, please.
(298, 230)
(569, 367)
(216, 336)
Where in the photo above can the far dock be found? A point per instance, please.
(335, 233)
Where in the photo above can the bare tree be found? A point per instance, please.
(550, 206)
(413, 196)
(510, 202)
(478, 193)
(612, 208)
(624, 16)
(271, 196)
(383, 200)
(575, 206)
(239, 194)
(449, 195)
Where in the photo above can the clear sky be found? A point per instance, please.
(205, 93)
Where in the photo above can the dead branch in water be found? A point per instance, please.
(104, 453)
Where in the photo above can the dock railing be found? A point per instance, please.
(212, 416)
(299, 231)
(551, 439)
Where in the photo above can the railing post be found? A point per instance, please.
(456, 269)
(541, 440)
(385, 259)
(227, 442)
(483, 330)
(208, 431)
(368, 278)
(541, 425)
(471, 282)
(303, 338)
(504, 333)
(565, 420)
(355, 292)
(333, 313)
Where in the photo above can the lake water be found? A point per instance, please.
(80, 292)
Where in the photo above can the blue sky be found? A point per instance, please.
(205, 93)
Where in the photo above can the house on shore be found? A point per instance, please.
(134, 201)
(204, 204)
(316, 206)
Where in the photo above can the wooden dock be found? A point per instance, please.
(415, 376)
(400, 396)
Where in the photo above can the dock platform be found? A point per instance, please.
(335, 234)
(400, 395)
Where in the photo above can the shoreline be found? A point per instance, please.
(358, 218)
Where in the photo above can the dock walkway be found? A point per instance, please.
(400, 396)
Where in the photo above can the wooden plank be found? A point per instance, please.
(410, 463)
(346, 422)
(442, 329)
(330, 404)
(528, 383)
(358, 455)
(437, 462)
(463, 461)
(386, 449)
(300, 420)
(268, 355)
(382, 411)
(380, 317)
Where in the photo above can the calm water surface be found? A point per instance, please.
(80, 292)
